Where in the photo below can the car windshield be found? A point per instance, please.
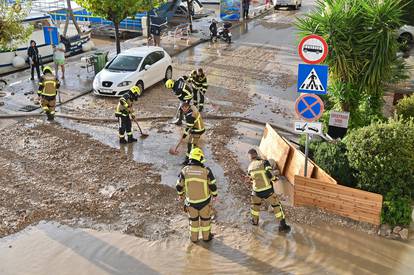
(124, 63)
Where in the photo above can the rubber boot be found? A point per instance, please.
(131, 139)
(122, 140)
(283, 227)
(210, 237)
(50, 117)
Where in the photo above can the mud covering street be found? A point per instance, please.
(73, 201)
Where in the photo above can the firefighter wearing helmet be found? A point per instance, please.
(125, 112)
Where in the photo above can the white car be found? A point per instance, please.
(143, 67)
(293, 4)
(406, 34)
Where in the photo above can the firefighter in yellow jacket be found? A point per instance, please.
(197, 184)
(48, 89)
(198, 80)
(259, 172)
(125, 112)
(194, 127)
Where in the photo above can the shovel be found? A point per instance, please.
(143, 136)
(174, 150)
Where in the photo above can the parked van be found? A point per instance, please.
(292, 4)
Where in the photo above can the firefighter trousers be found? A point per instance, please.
(200, 220)
(273, 200)
(125, 125)
(48, 104)
(198, 98)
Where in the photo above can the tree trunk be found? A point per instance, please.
(72, 17)
(65, 29)
(148, 23)
(118, 43)
(190, 16)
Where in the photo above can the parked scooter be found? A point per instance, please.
(224, 32)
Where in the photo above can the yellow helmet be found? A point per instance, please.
(135, 90)
(47, 69)
(197, 154)
(169, 84)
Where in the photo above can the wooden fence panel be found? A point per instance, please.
(349, 202)
(273, 146)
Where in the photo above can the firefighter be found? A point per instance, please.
(194, 127)
(125, 112)
(197, 184)
(48, 88)
(259, 172)
(183, 93)
(199, 84)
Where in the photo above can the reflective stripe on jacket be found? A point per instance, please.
(197, 183)
(259, 172)
(48, 85)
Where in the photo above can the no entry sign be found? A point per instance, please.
(313, 49)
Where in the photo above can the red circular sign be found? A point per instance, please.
(313, 49)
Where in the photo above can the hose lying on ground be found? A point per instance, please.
(104, 119)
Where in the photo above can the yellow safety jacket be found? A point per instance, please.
(48, 85)
(194, 122)
(124, 107)
(197, 183)
(259, 172)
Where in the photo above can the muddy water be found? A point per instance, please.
(53, 249)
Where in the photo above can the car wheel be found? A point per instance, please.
(140, 85)
(168, 73)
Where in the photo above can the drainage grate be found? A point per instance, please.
(28, 108)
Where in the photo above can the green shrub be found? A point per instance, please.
(383, 156)
(396, 209)
(405, 107)
(332, 158)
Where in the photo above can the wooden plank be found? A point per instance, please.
(356, 215)
(340, 199)
(274, 147)
(320, 174)
(357, 193)
(339, 193)
(339, 202)
(295, 165)
(345, 201)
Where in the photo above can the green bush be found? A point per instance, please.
(405, 107)
(383, 156)
(332, 158)
(396, 209)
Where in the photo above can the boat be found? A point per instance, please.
(14, 60)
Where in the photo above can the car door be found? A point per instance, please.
(148, 75)
(159, 65)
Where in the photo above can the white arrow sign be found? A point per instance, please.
(308, 127)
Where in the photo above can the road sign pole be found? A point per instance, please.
(306, 154)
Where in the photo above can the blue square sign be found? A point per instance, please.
(313, 79)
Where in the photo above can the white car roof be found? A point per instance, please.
(141, 51)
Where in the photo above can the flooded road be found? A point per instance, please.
(54, 249)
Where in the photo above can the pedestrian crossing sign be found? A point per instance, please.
(313, 79)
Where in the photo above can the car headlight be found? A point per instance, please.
(124, 83)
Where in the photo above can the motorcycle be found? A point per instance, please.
(224, 32)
